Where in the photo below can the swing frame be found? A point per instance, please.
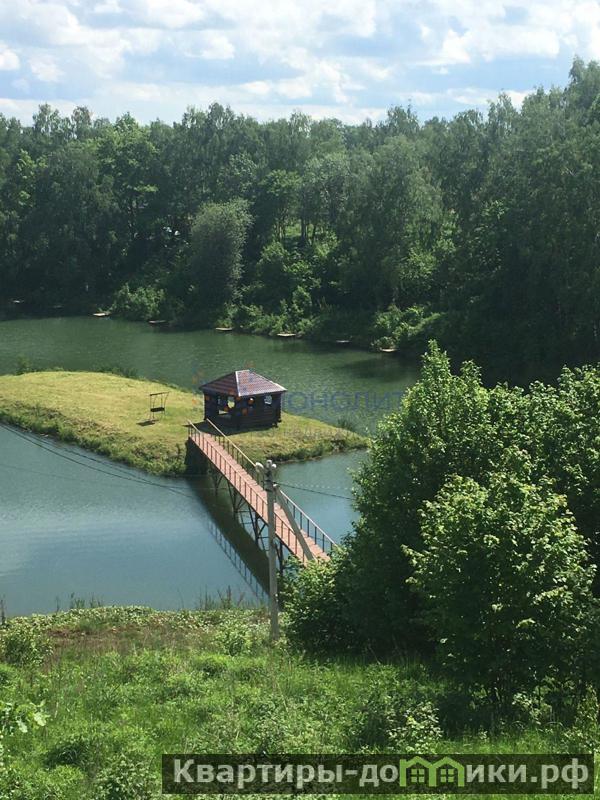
(157, 407)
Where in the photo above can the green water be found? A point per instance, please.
(71, 527)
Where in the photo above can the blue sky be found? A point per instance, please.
(348, 59)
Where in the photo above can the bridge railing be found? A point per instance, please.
(236, 452)
(304, 522)
(245, 485)
(308, 525)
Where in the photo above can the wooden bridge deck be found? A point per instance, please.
(254, 495)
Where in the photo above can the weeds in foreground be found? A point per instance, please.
(94, 696)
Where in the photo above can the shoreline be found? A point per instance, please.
(350, 340)
(107, 414)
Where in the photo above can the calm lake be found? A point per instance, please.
(75, 528)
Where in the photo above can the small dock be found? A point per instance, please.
(231, 464)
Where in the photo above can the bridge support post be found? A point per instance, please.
(195, 462)
(273, 593)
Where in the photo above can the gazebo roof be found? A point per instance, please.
(242, 383)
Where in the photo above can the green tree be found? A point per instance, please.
(505, 583)
(67, 235)
(279, 274)
(17, 201)
(447, 424)
(277, 202)
(564, 434)
(393, 221)
(215, 255)
(129, 158)
(323, 194)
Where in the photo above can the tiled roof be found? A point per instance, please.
(242, 383)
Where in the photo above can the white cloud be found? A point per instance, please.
(108, 7)
(25, 109)
(45, 69)
(21, 84)
(9, 60)
(375, 70)
(216, 46)
(462, 98)
(516, 97)
(469, 96)
(56, 30)
(261, 101)
(257, 88)
(504, 40)
(169, 14)
(263, 57)
(462, 31)
(454, 50)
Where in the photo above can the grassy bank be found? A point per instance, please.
(114, 688)
(105, 413)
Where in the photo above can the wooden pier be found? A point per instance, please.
(226, 461)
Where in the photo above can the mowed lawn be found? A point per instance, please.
(107, 413)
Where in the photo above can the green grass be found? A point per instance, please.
(121, 686)
(103, 412)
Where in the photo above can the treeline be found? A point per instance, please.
(479, 231)
(478, 541)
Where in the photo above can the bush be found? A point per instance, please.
(127, 778)
(179, 686)
(20, 718)
(17, 718)
(407, 329)
(506, 584)
(62, 782)
(18, 783)
(143, 303)
(395, 715)
(236, 635)
(23, 646)
(75, 750)
(316, 617)
(448, 424)
(211, 664)
(583, 736)
(8, 674)
(564, 430)
(24, 365)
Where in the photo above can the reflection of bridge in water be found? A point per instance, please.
(238, 562)
(295, 532)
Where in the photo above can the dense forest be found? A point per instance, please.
(481, 232)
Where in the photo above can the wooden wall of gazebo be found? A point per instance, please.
(243, 399)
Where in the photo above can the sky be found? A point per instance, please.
(349, 59)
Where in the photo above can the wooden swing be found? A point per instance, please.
(158, 405)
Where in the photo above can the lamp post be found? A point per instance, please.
(273, 595)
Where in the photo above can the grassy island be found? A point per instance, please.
(106, 413)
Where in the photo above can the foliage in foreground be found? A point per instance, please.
(118, 687)
(505, 582)
(494, 495)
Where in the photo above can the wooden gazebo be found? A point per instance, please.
(242, 399)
